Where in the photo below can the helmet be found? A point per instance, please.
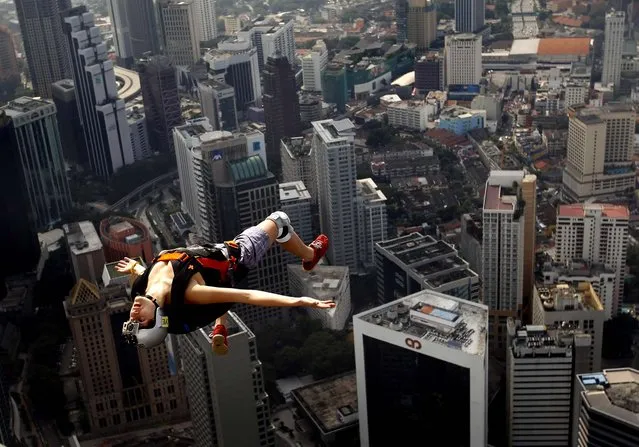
(147, 337)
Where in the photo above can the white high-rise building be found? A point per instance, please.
(599, 153)
(324, 283)
(463, 59)
(298, 163)
(598, 234)
(613, 47)
(35, 130)
(268, 38)
(508, 248)
(179, 28)
(228, 402)
(232, 24)
(541, 365)
(469, 15)
(103, 115)
(201, 155)
(558, 303)
(335, 165)
(313, 65)
(372, 220)
(296, 203)
(139, 134)
(205, 19)
(422, 364)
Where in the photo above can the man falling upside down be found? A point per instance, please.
(188, 288)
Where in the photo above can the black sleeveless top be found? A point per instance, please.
(185, 317)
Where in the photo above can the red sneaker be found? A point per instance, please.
(319, 246)
(218, 337)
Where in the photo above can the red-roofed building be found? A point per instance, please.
(124, 237)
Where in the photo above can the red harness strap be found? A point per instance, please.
(222, 266)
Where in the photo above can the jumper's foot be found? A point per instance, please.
(218, 338)
(319, 246)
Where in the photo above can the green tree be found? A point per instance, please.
(287, 361)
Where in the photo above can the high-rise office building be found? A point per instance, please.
(121, 32)
(401, 18)
(613, 47)
(281, 108)
(17, 228)
(201, 154)
(598, 234)
(140, 144)
(335, 86)
(296, 202)
(9, 72)
(103, 115)
(122, 387)
(508, 248)
(48, 58)
(85, 250)
(412, 263)
(235, 61)
(372, 221)
(463, 59)
(298, 163)
(607, 408)
(336, 170)
(268, 38)
(218, 104)
(421, 23)
(600, 150)
(229, 405)
(134, 29)
(469, 15)
(161, 101)
(71, 135)
(429, 73)
(556, 304)
(403, 352)
(37, 140)
(471, 239)
(540, 368)
(313, 64)
(179, 30)
(205, 19)
(248, 193)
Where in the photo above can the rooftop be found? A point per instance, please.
(25, 104)
(435, 318)
(298, 146)
(367, 189)
(332, 131)
(523, 47)
(330, 403)
(566, 297)
(582, 209)
(613, 392)
(552, 46)
(416, 248)
(247, 169)
(536, 341)
(82, 237)
(323, 282)
(293, 191)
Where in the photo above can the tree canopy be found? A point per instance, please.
(618, 336)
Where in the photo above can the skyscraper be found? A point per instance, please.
(201, 155)
(281, 108)
(422, 362)
(37, 141)
(17, 228)
(372, 221)
(48, 58)
(313, 65)
(541, 365)
(599, 153)
(205, 19)
(179, 30)
(595, 233)
(229, 405)
(463, 59)
(429, 73)
(121, 32)
(421, 23)
(218, 104)
(508, 248)
(268, 37)
(296, 202)
(401, 17)
(9, 73)
(613, 47)
(607, 409)
(335, 166)
(335, 86)
(161, 100)
(134, 29)
(103, 115)
(69, 123)
(123, 387)
(298, 163)
(469, 15)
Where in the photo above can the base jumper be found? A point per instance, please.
(185, 289)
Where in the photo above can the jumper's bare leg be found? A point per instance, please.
(294, 245)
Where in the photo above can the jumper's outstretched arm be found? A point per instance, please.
(200, 294)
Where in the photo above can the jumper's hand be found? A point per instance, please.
(312, 302)
(126, 265)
